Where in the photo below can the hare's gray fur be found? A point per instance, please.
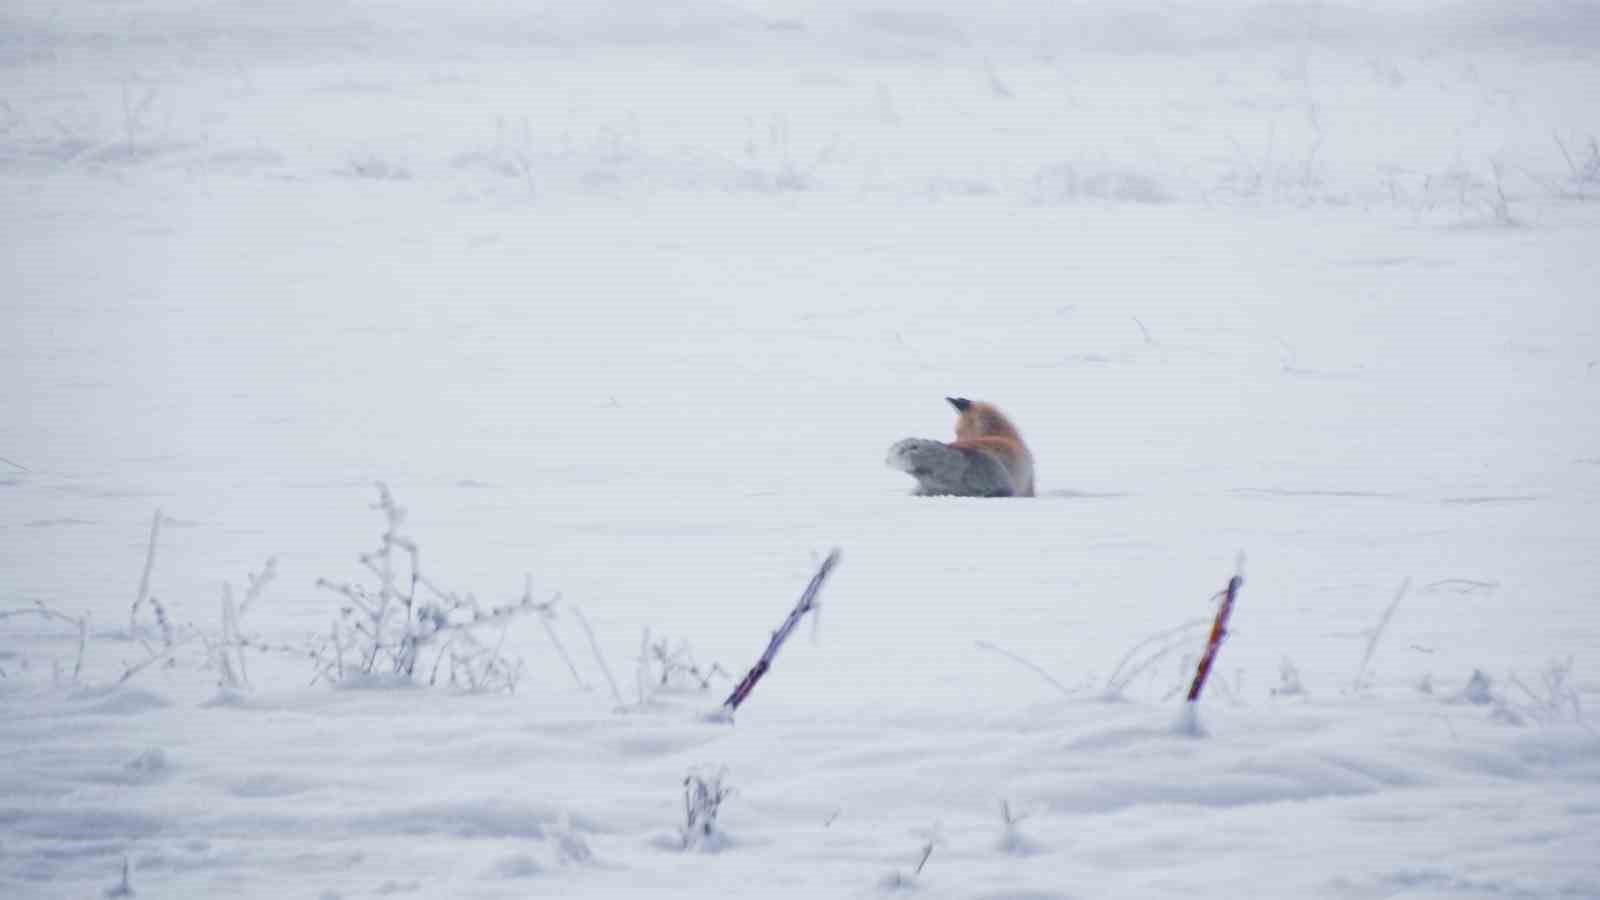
(944, 470)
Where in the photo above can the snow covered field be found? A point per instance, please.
(632, 300)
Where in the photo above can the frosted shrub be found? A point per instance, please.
(376, 168)
(50, 614)
(1477, 689)
(1062, 184)
(1288, 680)
(703, 794)
(384, 631)
(1012, 840)
(1145, 654)
(228, 654)
(668, 666)
(1554, 698)
(907, 881)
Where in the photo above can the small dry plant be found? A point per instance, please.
(383, 630)
(703, 793)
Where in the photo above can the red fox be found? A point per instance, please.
(987, 458)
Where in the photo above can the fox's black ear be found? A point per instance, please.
(961, 404)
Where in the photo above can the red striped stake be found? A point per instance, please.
(808, 602)
(1219, 630)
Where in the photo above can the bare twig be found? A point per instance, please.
(1500, 204)
(43, 611)
(477, 668)
(594, 646)
(1028, 664)
(83, 640)
(163, 623)
(1571, 165)
(1459, 585)
(807, 602)
(1588, 170)
(163, 655)
(1166, 641)
(229, 654)
(641, 668)
(1372, 639)
(230, 662)
(257, 582)
(545, 618)
(124, 887)
(679, 665)
(1219, 630)
(144, 580)
(1558, 698)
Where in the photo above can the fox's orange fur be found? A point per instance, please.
(984, 428)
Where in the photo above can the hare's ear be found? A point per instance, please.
(961, 404)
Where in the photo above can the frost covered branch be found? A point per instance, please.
(660, 666)
(1459, 585)
(1588, 170)
(228, 653)
(144, 580)
(1027, 664)
(43, 611)
(1146, 653)
(545, 617)
(594, 646)
(167, 652)
(124, 886)
(678, 668)
(1555, 700)
(900, 881)
(1373, 637)
(1012, 840)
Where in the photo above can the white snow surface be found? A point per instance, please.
(631, 298)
